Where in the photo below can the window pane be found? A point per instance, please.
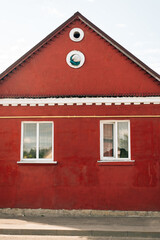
(108, 140)
(45, 140)
(122, 129)
(29, 140)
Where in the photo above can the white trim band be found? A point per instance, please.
(79, 101)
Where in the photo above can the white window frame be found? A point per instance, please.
(36, 160)
(115, 139)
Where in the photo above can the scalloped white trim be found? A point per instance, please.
(78, 101)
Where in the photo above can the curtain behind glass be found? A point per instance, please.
(108, 140)
(122, 129)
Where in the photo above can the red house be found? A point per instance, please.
(79, 125)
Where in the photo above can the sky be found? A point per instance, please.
(132, 23)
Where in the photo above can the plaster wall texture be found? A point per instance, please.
(78, 181)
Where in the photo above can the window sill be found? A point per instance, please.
(116, 163)
(37, 162)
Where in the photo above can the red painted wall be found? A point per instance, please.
(106, 71)
(78, 181)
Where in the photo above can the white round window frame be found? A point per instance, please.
(73, 31)
(72, 53)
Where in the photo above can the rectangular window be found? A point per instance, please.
(115, 140)
(37, 141)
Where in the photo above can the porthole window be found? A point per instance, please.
(75, 59)
(76, 34)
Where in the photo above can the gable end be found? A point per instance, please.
(78, 16)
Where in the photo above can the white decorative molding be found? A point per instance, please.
(146, 102)
(75, 57)
(127, 103)
(78, 101)
(137, 103)
(61, 104)
(98, 103)
(41, 104)
(87, 103)
(51, 104)
(107, 103)
(69, 103)
(32, 104)
(76, 34)
(80, 104)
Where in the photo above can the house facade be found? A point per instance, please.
(79, 125)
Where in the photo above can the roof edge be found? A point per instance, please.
(120, 48)
(97, 30)
(37, 46)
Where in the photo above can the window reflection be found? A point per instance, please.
(45, 140)
(29, 140)
(37, 140)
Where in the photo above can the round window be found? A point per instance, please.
(75, 59)
(76, 34)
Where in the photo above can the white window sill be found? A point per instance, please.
(38, 161)
(116, 160)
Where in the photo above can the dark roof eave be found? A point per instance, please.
(84, 96)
